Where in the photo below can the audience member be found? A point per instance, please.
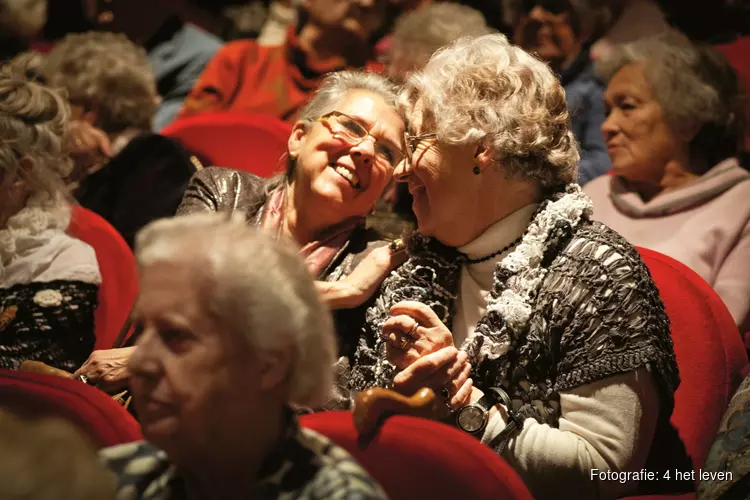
(48, 280)
(341, 155)
(278, 80)
(233, 335)
(631, 20)
(178, 50)
(125, 173)
(523, 292)
(559, 31)
(20, 21)
(675, 125)
(48, 459)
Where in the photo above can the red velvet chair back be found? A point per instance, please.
(416, 458)
(119, 287)
(251, 143)
(36, 395)
(710, 355)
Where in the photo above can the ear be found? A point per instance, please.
(274, 368)
(483, 158)
(297, 137)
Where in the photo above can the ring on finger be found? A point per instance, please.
(404, 341)
(446, 394)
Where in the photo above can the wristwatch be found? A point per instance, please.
(473, 417)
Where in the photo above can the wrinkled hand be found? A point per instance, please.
(425, 331)
(366, 278)
(448, 369)
(107, 369)
(89, 147)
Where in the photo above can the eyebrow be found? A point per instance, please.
(369, 127)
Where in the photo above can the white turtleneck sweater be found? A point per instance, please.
(605, 425)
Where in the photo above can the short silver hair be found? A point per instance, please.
(485, 90)
(260, 290)
(419, 33)
(34, 124)
(695, 87)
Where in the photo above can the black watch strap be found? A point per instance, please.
(514, 424)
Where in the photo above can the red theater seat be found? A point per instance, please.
(251, 143)
(36, 395)
(710, 356)
(119, 287)
(418, 458)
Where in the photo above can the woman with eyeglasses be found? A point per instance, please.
(571, 369)
(341, 155)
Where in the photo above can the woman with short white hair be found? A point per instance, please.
(49, 281)
(571, 361)
(233, 335)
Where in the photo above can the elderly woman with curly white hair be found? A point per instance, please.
(674, 130)
(233, 335)
(48, 280)
(540, 328)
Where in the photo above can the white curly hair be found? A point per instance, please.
(485, 90)
(259, 288)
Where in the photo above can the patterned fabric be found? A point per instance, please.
(593, 312)
(305, 466)
(51, 322)
(730, 452)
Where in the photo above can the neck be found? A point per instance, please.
(231, 471)
(303, 226)
(677, 174)
(323, 43)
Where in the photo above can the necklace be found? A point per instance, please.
(488, 257)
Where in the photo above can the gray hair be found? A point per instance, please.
(418, 34)
(260, 290)
(108, 72)
(695, 87)
(485, 90)
(34, 124)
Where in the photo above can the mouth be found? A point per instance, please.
(349, 175)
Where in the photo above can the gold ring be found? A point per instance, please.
(403, 343)
(396, 245)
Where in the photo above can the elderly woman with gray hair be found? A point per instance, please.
(233, 335)
(571, 365)
(341, 154)
(674, 130)
(49, 282)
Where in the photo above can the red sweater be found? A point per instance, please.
(246, 77)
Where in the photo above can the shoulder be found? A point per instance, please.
(224, 179)
(338, 475)
(137, 466)
(200, 42)
(238, 49)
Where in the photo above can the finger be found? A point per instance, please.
(399, 358)
(420, 371)
(422, 313)
(103, 142)
(463, 395)
(402, 324)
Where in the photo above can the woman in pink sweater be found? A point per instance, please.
(675, 125)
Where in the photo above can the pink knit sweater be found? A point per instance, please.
(705, 225)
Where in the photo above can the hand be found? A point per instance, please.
(447, 368)
(89, 147)
(364, 281)
(107, 369)
(419, 327)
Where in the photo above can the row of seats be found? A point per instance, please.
(710, 355)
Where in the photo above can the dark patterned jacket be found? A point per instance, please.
(225, 190)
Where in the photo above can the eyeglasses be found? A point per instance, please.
(412, 142)
(345, 127)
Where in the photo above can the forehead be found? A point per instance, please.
(372, 111)
(170, 287)
(629, 80)
(420, 118)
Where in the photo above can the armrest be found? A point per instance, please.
(375, 404)
(39, 367)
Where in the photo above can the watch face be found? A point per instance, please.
(471, 418)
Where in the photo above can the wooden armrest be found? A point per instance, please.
(374, 404)
(39, 367)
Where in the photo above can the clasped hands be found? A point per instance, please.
(422, 348)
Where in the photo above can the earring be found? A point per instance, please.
(476, 170)
(292, 156)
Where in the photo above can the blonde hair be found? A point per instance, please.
(49, 458)
(485, 90)
(108, 73)
(260, 289)
(34, 124)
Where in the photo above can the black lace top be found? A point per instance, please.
(51, 322)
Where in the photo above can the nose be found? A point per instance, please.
(403, 170)
(145, 362)
(364, 152)
(609, 127)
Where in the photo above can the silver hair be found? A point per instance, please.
(34, 124)
(419, 33)
(485, 90)
(260, 289)
(695, 87)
